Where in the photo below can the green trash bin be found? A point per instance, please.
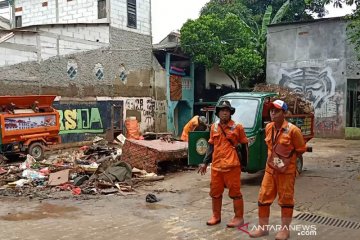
(198, 143)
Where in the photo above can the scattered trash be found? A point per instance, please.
(94, 169)
(151, 198)
(80, 180)
(32, 174)
(28, 162)
(19, 183)
(121, 138)
(59, 178)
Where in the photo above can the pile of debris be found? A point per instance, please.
(297, 102)
(95, 169)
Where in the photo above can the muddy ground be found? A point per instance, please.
(328, 190)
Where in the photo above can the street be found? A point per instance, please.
(328, 188)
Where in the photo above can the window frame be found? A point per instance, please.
(102, 13)
(131, 11)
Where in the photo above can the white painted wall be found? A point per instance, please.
(217, 76)
(78, 11)
(119, 16)
(75, 11)
(12, 56)
(53, 41)
(84, 11)
(5, 12)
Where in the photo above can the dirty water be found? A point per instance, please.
(45, 210)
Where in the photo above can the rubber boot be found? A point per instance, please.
(216, 208)
(264, 213)
(286, 217)
(238, 219)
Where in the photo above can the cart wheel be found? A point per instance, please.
(299, 164)
(36, 150)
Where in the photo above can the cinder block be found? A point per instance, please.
(79, 36)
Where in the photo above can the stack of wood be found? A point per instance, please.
(296, 102)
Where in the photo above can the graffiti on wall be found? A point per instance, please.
(318, 86)
(149, 110)
(82, 120)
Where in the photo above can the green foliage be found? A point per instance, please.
(281, 12)
(228, 42)
(354, 30)
(222, 8)
(297, 9)
(266, 21)
(244, 63)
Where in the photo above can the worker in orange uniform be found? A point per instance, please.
(225, 168)
(285, 142)
(197, 123)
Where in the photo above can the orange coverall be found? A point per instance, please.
(190, 126)
(281, 183)
(226, 169)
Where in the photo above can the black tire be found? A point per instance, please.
(36, 150)
(299, 164)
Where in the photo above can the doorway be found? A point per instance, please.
(353, 103)
(352, 130)
(182, 115)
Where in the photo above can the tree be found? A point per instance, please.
(241, 63)
(227, 42)
(298, 10)
(354, 30)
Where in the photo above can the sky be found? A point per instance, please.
(170, 15)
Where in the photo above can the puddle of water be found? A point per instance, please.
(45, 210)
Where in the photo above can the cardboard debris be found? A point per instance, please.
(59, 178)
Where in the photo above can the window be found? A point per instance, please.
(246, 111)
(18, 21)
(131, 13)
(4, 5)
(101, 9)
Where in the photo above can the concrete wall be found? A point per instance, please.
(34, 12)
(159, 94)
(311, 58)
(43, 42)
(217, 76)
(124, 60)
(125, 69)
(83, 11)
(352, 63)
(5, 11)
(119, 15)
(83, 119)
